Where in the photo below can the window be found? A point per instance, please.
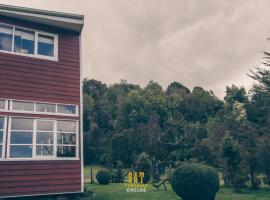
(24, 41)
(45, 107)
(44, 138)
(2, 125)
(39, 107)
(23, 106)
(21, 138)
(2, 104)
(28, 42)
(41, 138)
(45, 45)
(66, 138)
(6, 38)
(66, 109)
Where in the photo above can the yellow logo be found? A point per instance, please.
(135, 182)
(133, 177)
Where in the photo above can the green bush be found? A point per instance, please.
(117, 176)
(144, 164)
(103, 177)
(195, 182)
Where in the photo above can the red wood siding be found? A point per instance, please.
(39, 177)
(34, 79)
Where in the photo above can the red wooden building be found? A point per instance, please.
(40, 102)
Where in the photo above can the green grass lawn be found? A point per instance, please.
(118, 192)
(115, 191)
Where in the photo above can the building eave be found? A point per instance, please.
(57, 19)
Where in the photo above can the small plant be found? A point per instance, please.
(103, 177)
(117, 176)
(195, 182)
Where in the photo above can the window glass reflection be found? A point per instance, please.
(66, 126)
(45, 45)
(66, 109)
(6, 38)
(21, 124)
(24, 41)
(44, 150)
(66, 151)
(23, 106)
(44, 107)
(19, 151)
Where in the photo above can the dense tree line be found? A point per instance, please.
(123, 120)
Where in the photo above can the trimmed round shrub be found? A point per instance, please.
(193, 181)
(103, 177)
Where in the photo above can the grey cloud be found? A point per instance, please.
(208, 43)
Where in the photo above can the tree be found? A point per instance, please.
(235, 94)
(121, 149)
(234, 174)
(199, 105)
(144, 164)
(259, 110)
(264, 157)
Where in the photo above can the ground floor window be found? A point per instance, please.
(42, 138)
(45, 138)
(21, 138)
(66, 139)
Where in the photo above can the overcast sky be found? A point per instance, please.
(206, 43)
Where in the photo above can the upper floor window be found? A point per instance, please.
(6, 35)
(24, 41)
(45, 45)
(28, 42)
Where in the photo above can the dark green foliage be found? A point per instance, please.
(235, 94)
(176, 87)
(264, 157)
(121, 148)
(144, 164)
(117, 176)
(117, 173)
(123, 120)
(199, 105)
(195, 182)
(235, 174)
(103, 177)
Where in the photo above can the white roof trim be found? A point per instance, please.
(58, 19)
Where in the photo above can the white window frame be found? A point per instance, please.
(4, 138)
(24, 111)
(35, 139)
(71, 145)
(9, 138)
(35, 55)
(34, 144)
(44, 113)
